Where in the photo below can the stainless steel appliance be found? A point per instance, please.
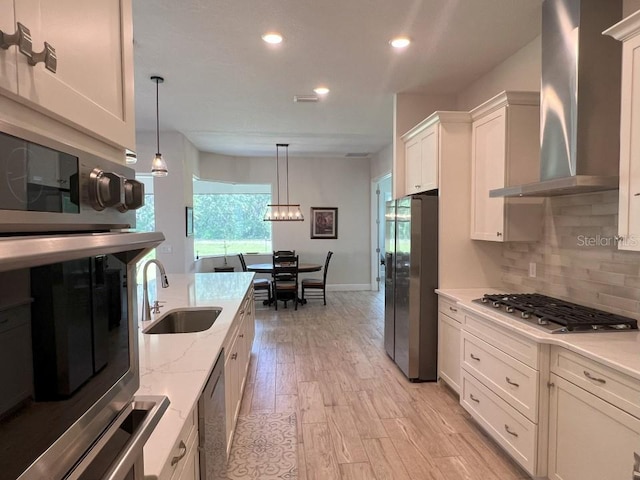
(212, 425)
(411, 304)
(68, 307)
(556, 316)
(579, 95)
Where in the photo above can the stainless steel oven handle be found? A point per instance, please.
(122, 465)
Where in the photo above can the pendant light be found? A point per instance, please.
(158, 165)
(283, 212)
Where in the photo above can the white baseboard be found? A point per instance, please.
(348, 287)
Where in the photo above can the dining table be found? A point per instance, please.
(268, 268)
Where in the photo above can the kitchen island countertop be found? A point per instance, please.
(178, 365)
(618, 350)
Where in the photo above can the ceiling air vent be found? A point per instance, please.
(305, 98)
(357, 155)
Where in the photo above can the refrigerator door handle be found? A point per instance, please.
(389, 265)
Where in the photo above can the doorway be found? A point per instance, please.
(381, 192)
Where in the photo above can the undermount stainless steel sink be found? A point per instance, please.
(185, 321)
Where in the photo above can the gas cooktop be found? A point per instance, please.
(557, 316)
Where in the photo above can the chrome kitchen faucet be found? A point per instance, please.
(146, 308)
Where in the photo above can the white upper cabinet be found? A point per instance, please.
(92, 87)
(628, 31)
(505, 151)
(421, 157)
(423, 149)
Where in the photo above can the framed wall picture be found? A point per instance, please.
(324, 222)
(189, 221)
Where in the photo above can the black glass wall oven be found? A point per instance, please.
(63, 346)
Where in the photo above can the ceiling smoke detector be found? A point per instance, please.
(305, 98)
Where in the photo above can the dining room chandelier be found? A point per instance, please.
(283, 212)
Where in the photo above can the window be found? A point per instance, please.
(228, 218)
(146, 218)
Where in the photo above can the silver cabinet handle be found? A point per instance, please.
(453, 309)
(595, 379)
(511, 383)
(474, 357)
(182, 447)
(241, 335)
(234, 356)
(21, 38)
(48, 56)
(473, 398)
(506, 427)
(551, 384)
(498, 234)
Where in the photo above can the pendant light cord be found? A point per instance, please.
(287, 156)
(157, 119)
(278, 171)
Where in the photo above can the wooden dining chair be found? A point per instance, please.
(285, 280)
(315, 284)
(261, 286)
(284, 253)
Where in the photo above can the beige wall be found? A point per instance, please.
(172, 194)
(313, 182)
(381, 162)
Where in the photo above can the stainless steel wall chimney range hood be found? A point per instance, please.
(579, 100)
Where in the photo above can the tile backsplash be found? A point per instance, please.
(577, 258)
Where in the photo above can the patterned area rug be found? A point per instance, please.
(264, 447)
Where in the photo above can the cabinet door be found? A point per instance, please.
(429, 158)
(8, 57)
(589, 439)
(191, 470)
(629, 200)
(488, 171)
(413, 168)
(449, 351)
(93, 86)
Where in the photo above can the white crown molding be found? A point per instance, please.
(626, 28)
(437, 117)
(504, 99)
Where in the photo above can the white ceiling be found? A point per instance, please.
(228, 92)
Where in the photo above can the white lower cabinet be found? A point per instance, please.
(184, 458)
(449, 344)
(590, 438)
(501, 377)
(237, 357)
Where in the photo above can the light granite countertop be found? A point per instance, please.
(178, 365)
(618, 350)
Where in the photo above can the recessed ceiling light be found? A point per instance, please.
(400, 42)
(272, 37)
(321, 90)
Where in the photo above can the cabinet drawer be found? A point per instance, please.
(516, 434)
(183, 467)
(517, 346)
(614, 387)
(450, 309)
(188, 430)
(514, 382)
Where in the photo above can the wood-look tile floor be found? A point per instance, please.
(358, 416)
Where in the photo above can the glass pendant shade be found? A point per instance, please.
(159, 166)
(283, 212)
(130, 157)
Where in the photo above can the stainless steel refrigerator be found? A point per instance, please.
(411, 304)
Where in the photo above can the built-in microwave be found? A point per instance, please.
(50, 186)
(68, 313)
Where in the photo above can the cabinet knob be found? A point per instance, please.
(234, 356)
(416, 186)
(48, 56)
(21, 38)
(498, 234)
(453, 309)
